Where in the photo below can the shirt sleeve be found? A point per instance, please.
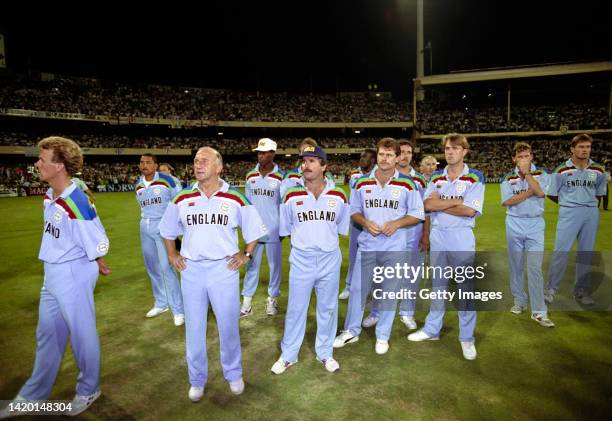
(285, 220)
(247, 190)
(355, 202)
(602, 184)
(178, 187)
(506, 191)
(90, 236)
(554, 184)
(343, 219)
(170, 225)
(474, 197)
(252, 226)
(414, 205)
(431, 187)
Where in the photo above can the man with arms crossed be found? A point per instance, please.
(454, 198)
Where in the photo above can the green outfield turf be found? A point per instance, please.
(523, 370)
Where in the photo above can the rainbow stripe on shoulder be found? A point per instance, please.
(294, 192)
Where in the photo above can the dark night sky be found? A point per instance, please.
(290, 45)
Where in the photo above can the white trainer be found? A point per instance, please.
(369, 321)
(549, 295)
(237, 386)
(179, 319)
(280, 366)
(156, 311)
(584, 297)
(542, 321)
(271, 306)
(517, 309)
(344, 294)
(246, 311)
(420, 335)
(344, 338)
(469, 350)
(196, 393)
(330, 364)
(81, 403)
(409, 322)
(5, 413)
(381, 347)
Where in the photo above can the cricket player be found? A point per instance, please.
(385, 203)
(314, 214)
(73, 238)
(366, 164)
(418, 238)
(522, 192)
(454, 197)
(208, 215)
(575, 186)
(428, 165)
(154, 191)
(292, 177)
(262, 188)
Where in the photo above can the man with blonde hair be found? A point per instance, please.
(73, 239)
(454, 198)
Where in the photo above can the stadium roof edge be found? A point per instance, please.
(515, 73)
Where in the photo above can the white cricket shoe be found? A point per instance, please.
(81, 403)
(156, 311)
(179, 319)
(542, 321)
(280, 366)
(271, 306)
(469, 350)
(330, 364)
(381, 347)
(237, 386)
(420, 335)
(344, 338)
(196, 393)
(409, 322)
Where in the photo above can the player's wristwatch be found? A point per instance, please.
(247, 254)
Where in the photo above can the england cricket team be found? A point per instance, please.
(394, 216)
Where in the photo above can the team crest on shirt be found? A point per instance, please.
(592, 175)
(140, 192)
(224, 207)
(57, 216)
(272, 184)
(102, 247)
(332, 203)
(461, 187)
(395, 193)
(476, 202)
(157, 191)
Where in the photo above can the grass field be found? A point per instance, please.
(522, 371)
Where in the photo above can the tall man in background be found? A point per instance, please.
(576, 185)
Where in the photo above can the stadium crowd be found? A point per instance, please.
(91, 97)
